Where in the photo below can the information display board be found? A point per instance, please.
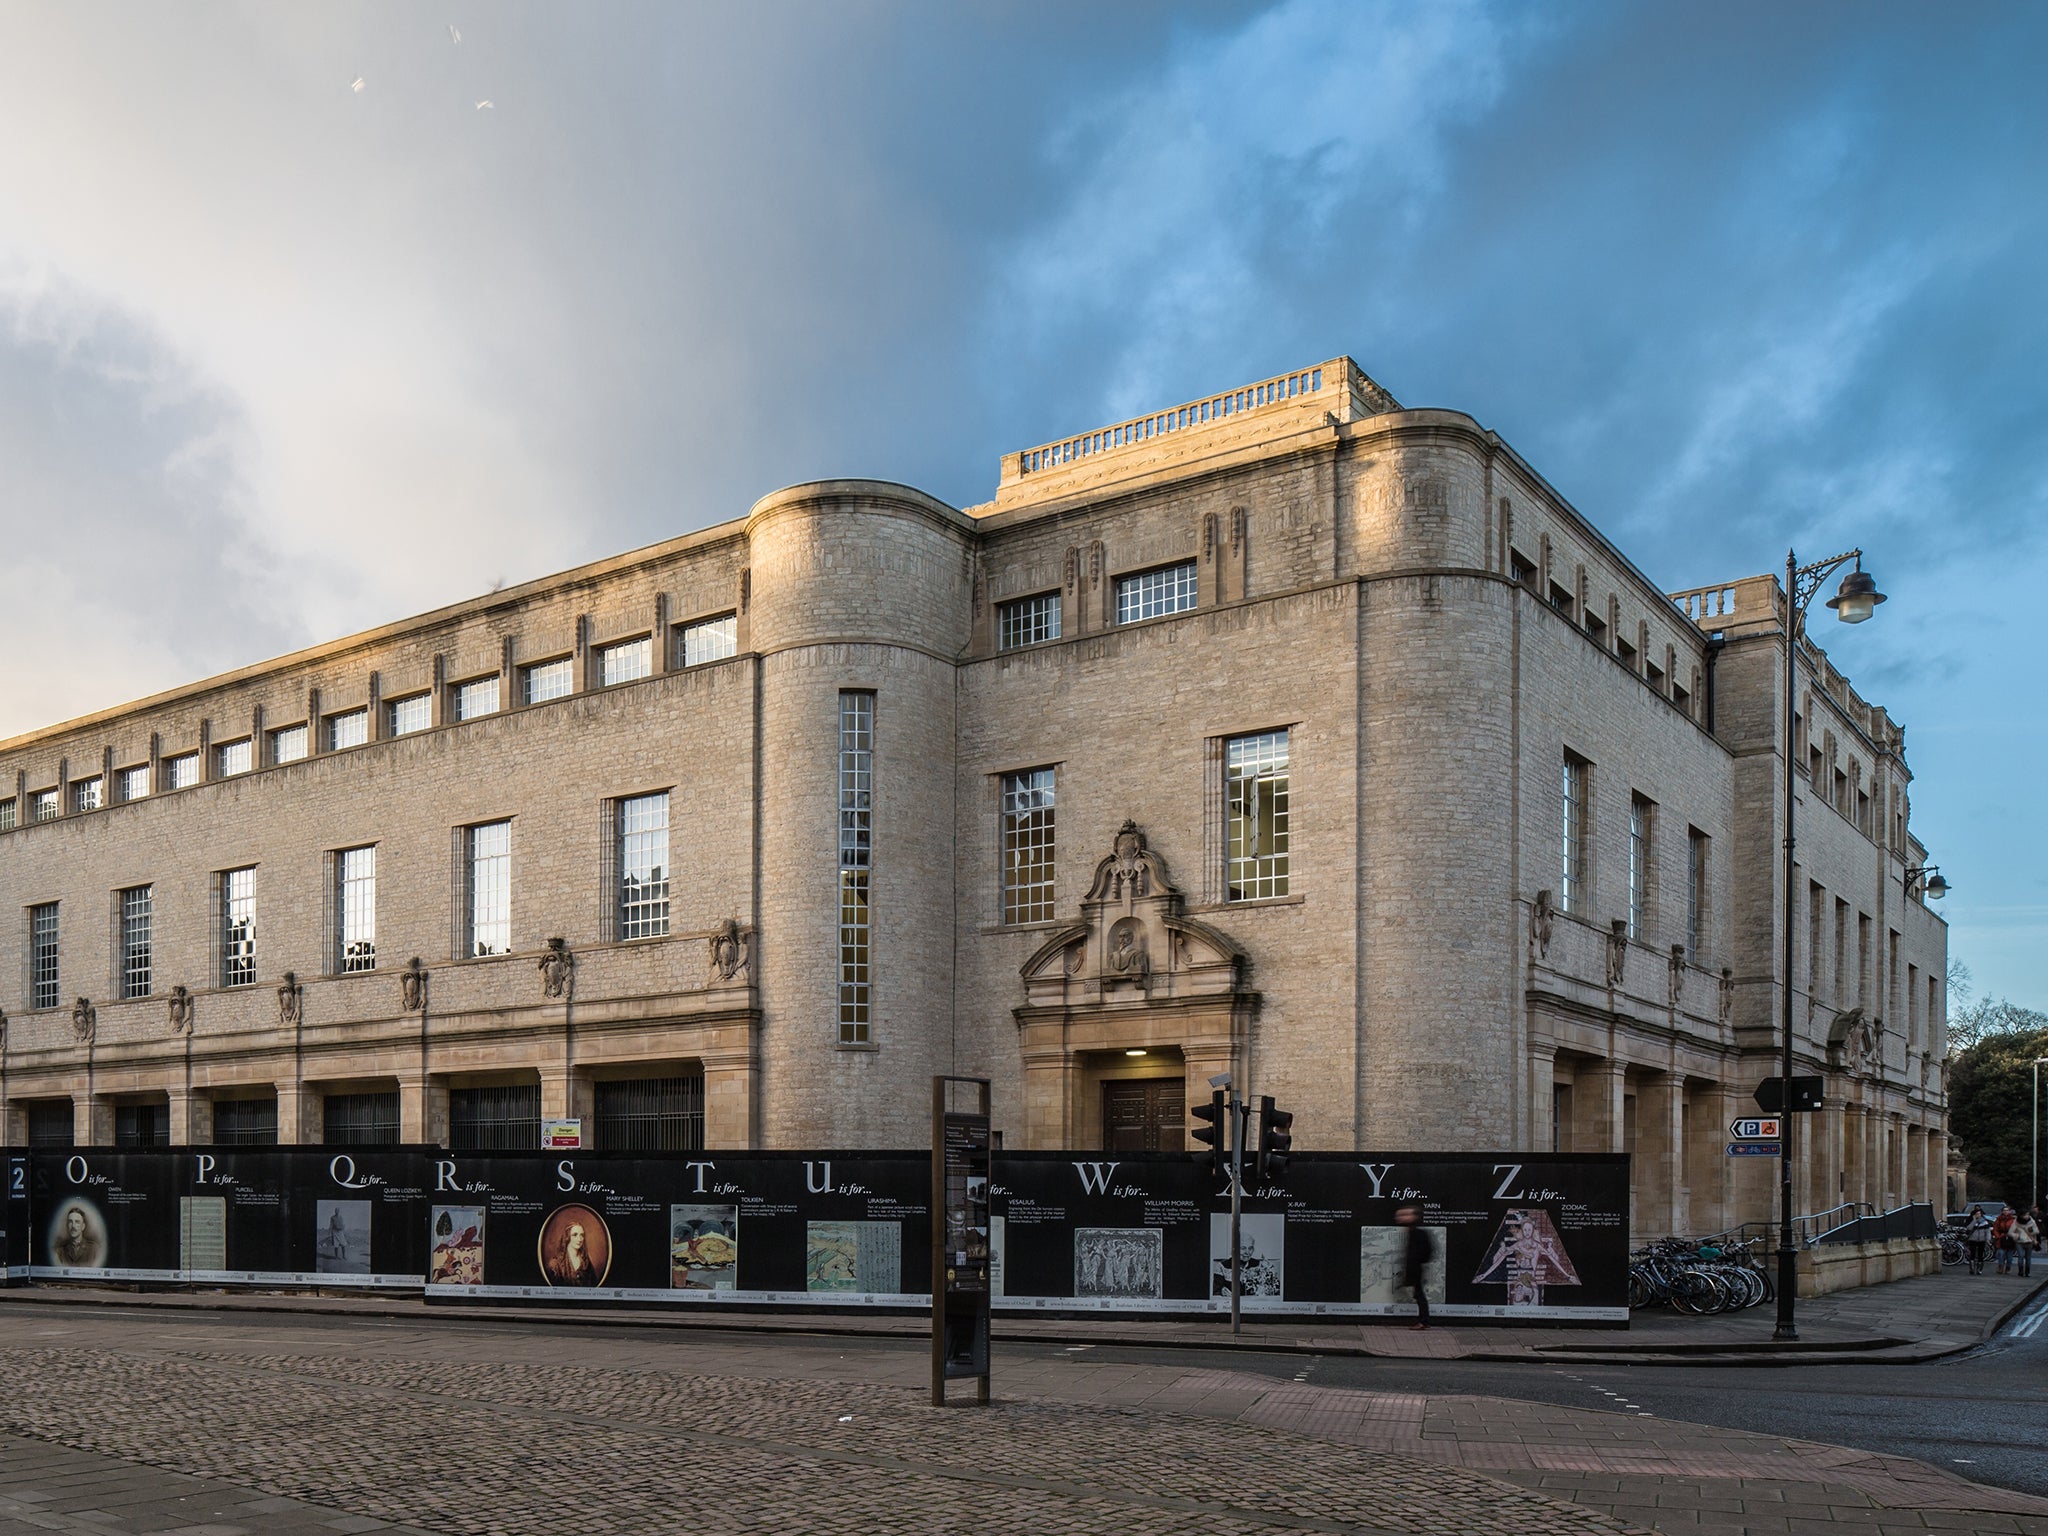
(687, 1227)
(14, 1218)
(271, 1216)
(1520, 1236)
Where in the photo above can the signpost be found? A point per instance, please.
(1753, 1129)
(961, 1165)
(1754, 1148)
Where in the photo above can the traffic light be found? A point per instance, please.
(1210, 1133)
(1274, 1139)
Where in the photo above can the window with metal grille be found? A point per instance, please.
(489, 888)
(1148, 594)
(238, 927)
(1640, 816)
(7, 814)
(476, 698)
(42, 949)
(1571, 895)
(1028, 621)
(546, 680)
(1028, 846)
(642, 832)
(404, 716)
(350, 729)
(132, 783)
(360, 1120)
(1696, 849)
(355, 909)
(86, 796)
(628, 661)
(135, 941)
(499, 1119)
(233, 757)
(711, 640)
(856, 804)
(650, 1114)
(1255, 806)
(142, 1125)
(288, 744)
(44, 805)
(245, 1122)
(52, 1123)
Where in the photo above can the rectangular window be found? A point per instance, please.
(1028, 621)
(1028, 846)
(355, 909)
(1816, 936)
(360, 1120)
(652, 1114)
(1696, 850)
(1148, 594)
(476, 698)
(1863, 963)
(627, 661)
(142, 1125)
(288, 745)
(52, 1123)
(1572, 894)
(181, 772)
(546, 680)
(347, 730)
(856, 804)
(404, 716)
(245, 1122)
(238, 928)
(86, 795)
(642, 832)
(1255, 814)
(42, 948)
(135, 941)
(44, 805)
(489, 889)
(233, 757)
(1841, 993)
(7, 815)
(503, 1118)
(1640, 816)
(711, 640)
(132, 783)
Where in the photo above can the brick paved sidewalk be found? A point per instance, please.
(1903, 1321)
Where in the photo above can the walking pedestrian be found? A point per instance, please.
(1977, 1237)
(2002, 1238)
(2027, 1231)
(1419, 1250)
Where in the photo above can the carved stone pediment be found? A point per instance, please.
(1132, 944)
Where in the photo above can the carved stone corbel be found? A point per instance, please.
(557, 966)
(412, 986)
(179, 1007)
(291, 999)
(85, 1020)
(1727, 993)
(1677, 974)
(1617, 952)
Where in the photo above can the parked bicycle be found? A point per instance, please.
(1700, 1278)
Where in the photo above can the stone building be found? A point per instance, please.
(1287, 730)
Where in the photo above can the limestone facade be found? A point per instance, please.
(1390, 599)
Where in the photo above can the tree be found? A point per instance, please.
(1991, 1093)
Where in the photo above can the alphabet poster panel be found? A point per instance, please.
(14, 1211)
(1536, 1237)
(265, 1216)
(760, 1228)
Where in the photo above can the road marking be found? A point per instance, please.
(2031, 1324)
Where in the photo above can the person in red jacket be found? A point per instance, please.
(2002, 1240)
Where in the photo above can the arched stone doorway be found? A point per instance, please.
(1129, 1011)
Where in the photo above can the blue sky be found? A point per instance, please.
(280, 358)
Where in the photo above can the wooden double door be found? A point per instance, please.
(1145, 1114)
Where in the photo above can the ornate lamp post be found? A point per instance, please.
(1856, 600)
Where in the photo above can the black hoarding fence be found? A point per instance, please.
(264, 1216)
(1535, 1237)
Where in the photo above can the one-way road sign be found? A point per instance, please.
(1753, 1129)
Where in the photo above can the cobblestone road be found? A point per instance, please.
(496, 1445)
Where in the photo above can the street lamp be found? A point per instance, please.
(1856, 600)
(2038, 1061)
(1927, 881)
